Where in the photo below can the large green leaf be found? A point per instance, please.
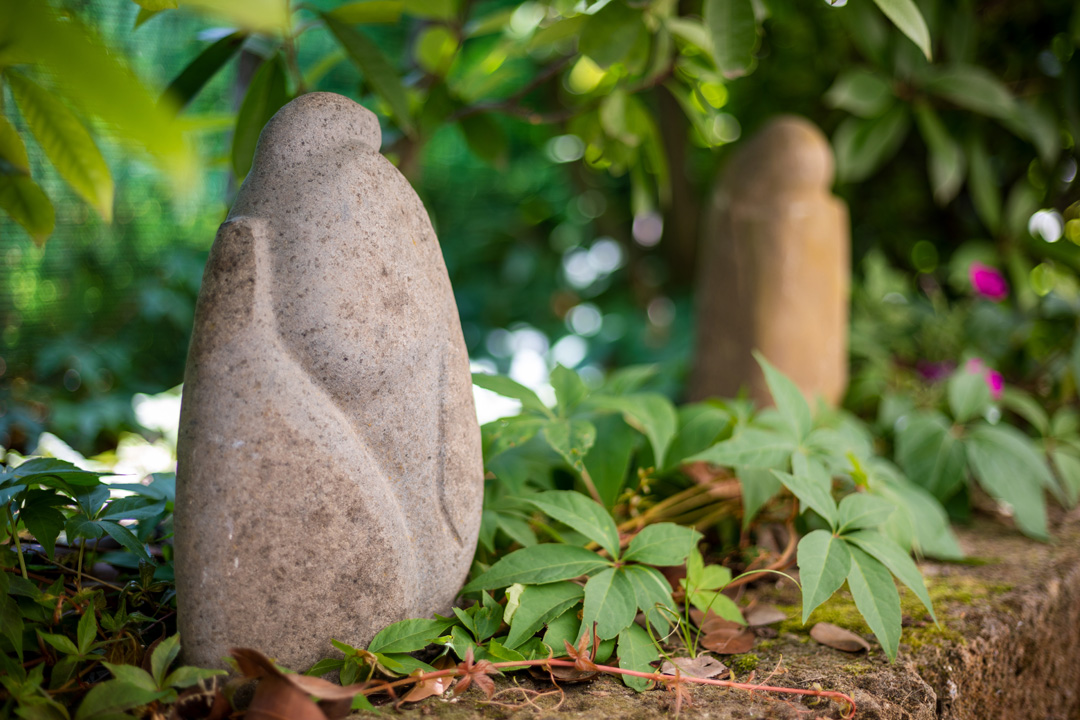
(610, 34)
(162, 658)
(926, 521)
(700, 426)
(1010, 469)
(206, 64)
(807, 487)
(824, 563)
(930, 454)
(96, 80)
(971, 87)
(376, 68)
(863, 146)
(267, 16)
(651, 414)
(896, 559)
(637, 652)
(265, 96)
(66, 142)
(1067, 464)
(759, 486)
(947, 163)
(125, 537)
(733, 33)
(651, 589)
(369, 12)
(750, 447)
(876, 597)
(662, 544)
(110, 698)
(582, 514)
(569, 389)
(609, 461)
(788, 398)
(408, 635)
(538, 564)
(12, 150)
(906, 16)
(969, 395)
(41, 518)
(572, 439)
(506, 387)
(861, 92)
(539, 605)
(863, 510)
(610, 602)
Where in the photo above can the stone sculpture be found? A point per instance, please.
(330, 475)
(775, 272)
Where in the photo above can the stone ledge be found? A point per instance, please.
(1008, 647)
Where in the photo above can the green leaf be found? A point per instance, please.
(862, 510)
(80, 526)
(186, 676)
(485, 137)
(266, 94)
(969, 395)
(109, 698)
(133, 508)
(1009, 468)
(571, 439)
(609, 461)
(539, 605)
(946, 165)
(125, 537)
(41, 518)
(1027, 407)
(325, 666)
(759, 486)
(982, 184)
(198, 72)
(824, 563)
(156, 5)
(610, 602)
(929, 523)
(377, 70)
(369, 12)
(497, 652)
(650, 590)
(61, 642)
(97, 81)
(402, 663)
(789, 399)
(691, 31)
(538, 564)
(28, 205)
(66, 143)
(663, 544)
(861, 92)
(863, 146)
(750, 447)
(267, 16)
(581, 514)
(557, 31)
(808, 489)
(435, 49)
(569, 389)
(502, 435)
(1068, 469)
(408, 635)
(431, 9)
(929, 453)
(734, 34)
(876, 597)
(637, 652)
(563, 628)
(651, 414)
(700, 426)
(162, 659)
(12, 149)
(506, 387)
(896, 559)
(610, 34)
(906, 16)
(972, 88)
(87, 630)
(11, 622)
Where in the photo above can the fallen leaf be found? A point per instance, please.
(703, 666)
(280, 695)
(729, 641)
(432, 686)
(710, 621)
(764, 615)
(838, 638)
(475, 672)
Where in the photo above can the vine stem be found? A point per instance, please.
(18, 544)
(654, 676)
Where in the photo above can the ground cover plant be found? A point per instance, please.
(613, 523)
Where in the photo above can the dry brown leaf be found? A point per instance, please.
(839, 638)
(764, 615)
(475, 672)
(703, 666)
(432, 686)
(280, 695)
(729, 641)
(710, 621)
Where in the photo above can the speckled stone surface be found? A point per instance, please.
(775, 273)
(330, 475)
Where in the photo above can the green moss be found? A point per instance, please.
(856, 669)
(744, 664)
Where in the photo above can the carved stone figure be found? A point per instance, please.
(775, 273)
(330, 475)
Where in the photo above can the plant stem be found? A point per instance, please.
(18, 544)
(587, 479)
(78, 570)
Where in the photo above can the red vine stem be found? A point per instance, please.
(655, 676)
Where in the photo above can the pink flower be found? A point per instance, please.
(994, 379)
(988, 282)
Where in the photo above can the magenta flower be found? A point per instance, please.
(988, 282)
(994, 379)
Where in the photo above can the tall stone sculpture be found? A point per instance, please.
(775, 273)
(330, 474)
